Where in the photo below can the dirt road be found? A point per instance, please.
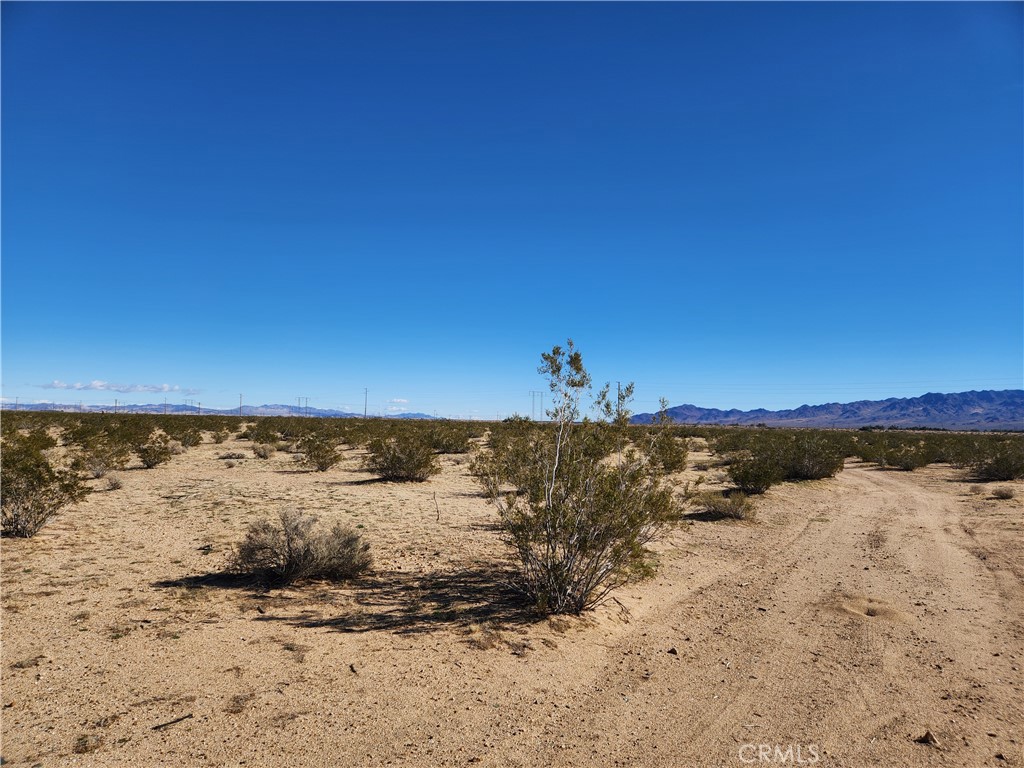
(862, 618)
(855, 615)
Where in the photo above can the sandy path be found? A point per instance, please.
(851, 628)
(853, 616)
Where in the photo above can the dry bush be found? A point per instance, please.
(263, 450)
(295, 549)
(735, 506)
(114, 483)
(1004, 493)
(231, 455)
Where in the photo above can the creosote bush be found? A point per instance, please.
(578, 518)
(1004, 493)
(318, 451)
(34, 490)
(158, 450)
(295, 548)
(407, 456)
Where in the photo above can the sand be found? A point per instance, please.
(852, 617)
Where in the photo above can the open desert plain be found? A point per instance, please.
(871, 619)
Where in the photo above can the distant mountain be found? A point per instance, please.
(988, 409)
(247, 410)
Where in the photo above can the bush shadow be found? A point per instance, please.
(406, 603)
(398, 602)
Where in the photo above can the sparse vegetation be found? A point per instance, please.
(579, 524)
(295, 549)
(733, 506)
(264, 450)
(408, 456)
(319, 451)
(1004, 493)
(34, 489)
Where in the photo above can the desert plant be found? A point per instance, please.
(756, 474)
(999, 459)
(264, 450)
(404, 457)
(114, 483)
(34, 490)
(220, 436)
(319, 451)
(578, 523)
(1004, 493)
(734, 506)
(295, 549)
(156, 451)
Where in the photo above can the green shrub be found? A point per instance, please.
(578, 524)
(406, 457)
(756, 474)
(449, 438)
(1000, 459)
(34, 490)
(318, 451)
(297, 550)
(158, 450)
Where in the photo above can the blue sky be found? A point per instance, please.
(733, 205)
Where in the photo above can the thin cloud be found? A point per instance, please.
(106, 386)
(400, 400)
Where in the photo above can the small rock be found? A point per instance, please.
(673, 651)
(928, 738)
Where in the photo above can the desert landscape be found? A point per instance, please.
(874, 618)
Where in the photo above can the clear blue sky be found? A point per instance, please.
(734, 205)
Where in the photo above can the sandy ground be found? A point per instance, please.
(851, 617)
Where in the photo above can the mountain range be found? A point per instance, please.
(247, 410)
(985, 410)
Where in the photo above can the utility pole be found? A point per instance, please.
(365, 396)
(15, 403)
(533, 403)
(239, 405)
(165, 406)
(618, 399)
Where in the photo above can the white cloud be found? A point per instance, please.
(401, 400)
(106, 386)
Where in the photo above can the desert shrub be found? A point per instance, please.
(813, 456)
(319, 451)
(231, 455)
(34, 490)
(101, 457)
(999, 459)
(114, 483)
(1004, 493)
(664, 448)
(158, 450)
(405, 457)
(734, 506)
(756, 474)
(190, 437)
(264, 450)
(904, 452)
(175, 447)
(450, 438)
(220, 436)
(229, 464)
(578, 524)
(296, 549)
